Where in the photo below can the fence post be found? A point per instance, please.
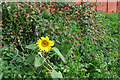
(102, 5)
(118, 10)
(112, 6)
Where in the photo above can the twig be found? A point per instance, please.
(19, 55)
(45, 61)
(12, 60)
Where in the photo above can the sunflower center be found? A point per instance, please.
(44, 43)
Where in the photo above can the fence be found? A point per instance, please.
(104, 5)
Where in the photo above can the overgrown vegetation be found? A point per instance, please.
(88, 39)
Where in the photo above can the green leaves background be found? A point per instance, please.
(88, 40)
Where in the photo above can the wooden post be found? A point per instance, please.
(102, 5)
(118, 10)
(112, 6)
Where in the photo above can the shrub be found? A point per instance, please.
(76, 30)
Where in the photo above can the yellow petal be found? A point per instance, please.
(47, 38)
(39, 41)
(49, 47)
(41, 50)
(51, 43)
(46, 49)
(42, 38)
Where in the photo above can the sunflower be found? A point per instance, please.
(44, 43)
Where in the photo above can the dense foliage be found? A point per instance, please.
(86, 38)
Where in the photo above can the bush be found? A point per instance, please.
(82, 35)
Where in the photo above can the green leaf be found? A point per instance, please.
(98, 70)
(19, 59)
(58, 53)
(6, 58)
(30, 58)
(31, 46)
(56, 74)
(1, 75)
(39, 61)
(2, 49)
(83, 70)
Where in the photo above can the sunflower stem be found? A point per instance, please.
(45, 61)
(47, 68)
(49, 65)
(40, 54)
